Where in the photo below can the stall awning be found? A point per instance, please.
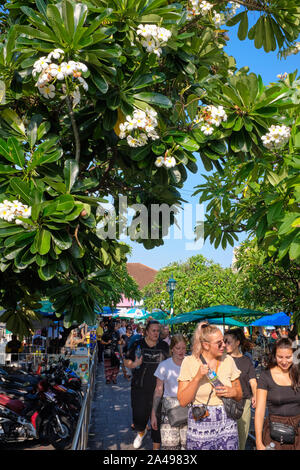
(277, 319)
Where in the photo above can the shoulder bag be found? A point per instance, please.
(177, 415)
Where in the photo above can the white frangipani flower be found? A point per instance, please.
(10, 211)
(159, 162)
(48, 91)
(170, 162)
(277, 137)
(51, 73)
(153, 37)
(142, 125)
(207, 129)
(210, 116)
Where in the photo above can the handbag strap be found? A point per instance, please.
(205, 363)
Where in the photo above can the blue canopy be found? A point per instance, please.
(277, 319)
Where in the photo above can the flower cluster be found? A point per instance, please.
(202, 7)
(51, 73)
(210, 116)
(282, 76)
(276, 137)
(198, 7)
(139, 127)
(153, 37)
(10, 211)
(295, 49)
(167, 161)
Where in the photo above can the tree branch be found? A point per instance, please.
(75, 130)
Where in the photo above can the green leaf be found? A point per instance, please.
(139, 153)
(47, 272)
(21, 189)
(243, 28)
(259, 33)
(16, 152)
(62, 239)
(109, 119)
(187, 142)
(13, 120)
(9, 231)
(7, 169)
(154, 98)
(71, 170)
(5, 151)
(32, 129)
(192, 106)
(294, 250)
(100, 83)
(65, 203)
(44, 242)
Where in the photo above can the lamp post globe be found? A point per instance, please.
(171, 285)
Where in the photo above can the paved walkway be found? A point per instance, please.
(111, 416)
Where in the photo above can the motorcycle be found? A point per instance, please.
(66, 398)
(35, 416)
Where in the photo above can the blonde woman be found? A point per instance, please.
(172, 438)
(209, 427)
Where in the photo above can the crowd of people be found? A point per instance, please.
(199, 396)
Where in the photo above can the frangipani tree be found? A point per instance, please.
(108, 98)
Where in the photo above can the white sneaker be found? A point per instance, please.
(139, 439)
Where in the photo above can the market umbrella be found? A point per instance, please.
(156, 314)
(277, 319)
(228, 321)
(135, 313)
(216, 311)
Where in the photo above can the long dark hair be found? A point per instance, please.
(294, 369)
(239, 335)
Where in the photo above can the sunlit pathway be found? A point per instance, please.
(111, 416)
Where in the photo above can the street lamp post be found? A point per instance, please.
(171, 284)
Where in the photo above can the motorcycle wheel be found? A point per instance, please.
(61, 439)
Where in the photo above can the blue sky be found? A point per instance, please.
(266, 65)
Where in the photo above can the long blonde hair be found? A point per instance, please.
(201, 334)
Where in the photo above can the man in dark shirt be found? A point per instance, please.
(14, 346)
(152, 351)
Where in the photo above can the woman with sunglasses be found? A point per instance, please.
(235, 342)
(209, 427)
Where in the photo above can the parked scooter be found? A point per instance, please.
(36, 416)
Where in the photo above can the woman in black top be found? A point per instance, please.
(111, 340)
(235, 342)
(153, 351)
(279, 390)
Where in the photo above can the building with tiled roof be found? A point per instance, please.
(143, 275)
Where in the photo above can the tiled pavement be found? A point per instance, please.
(111, 416)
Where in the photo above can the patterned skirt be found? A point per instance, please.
(215, 432)
(111, 372)
(172, 437)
